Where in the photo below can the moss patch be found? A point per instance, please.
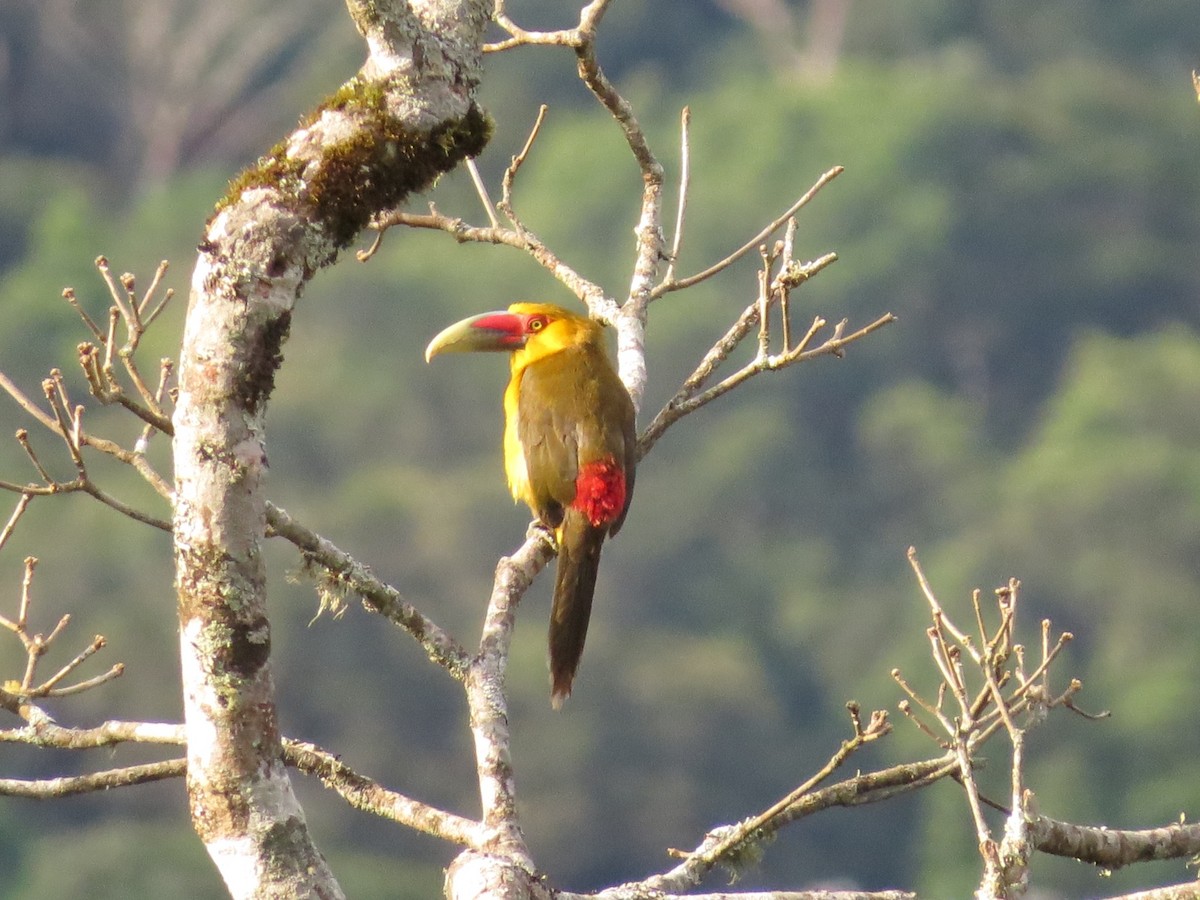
(256, 379)
(376, 168)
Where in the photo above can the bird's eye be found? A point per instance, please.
(537, 323)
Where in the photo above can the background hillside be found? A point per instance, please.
(1021, 189)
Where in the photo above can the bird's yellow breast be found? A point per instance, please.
(562, 330)
(514, 455)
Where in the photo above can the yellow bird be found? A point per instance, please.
(570, 447)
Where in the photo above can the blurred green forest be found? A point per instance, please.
(1021, 190)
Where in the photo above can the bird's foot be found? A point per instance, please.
(539, 529)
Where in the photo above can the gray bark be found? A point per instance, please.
(408, 116)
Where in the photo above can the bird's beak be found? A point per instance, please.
(499, 330)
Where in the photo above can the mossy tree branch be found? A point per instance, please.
(408, 116)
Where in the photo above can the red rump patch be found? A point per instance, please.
(600, 491)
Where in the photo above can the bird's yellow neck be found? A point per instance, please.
(561, 331)
(557, 335)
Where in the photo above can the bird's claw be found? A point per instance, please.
(539, 529)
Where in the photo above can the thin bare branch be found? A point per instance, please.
(85, 486)
(149, 294)
(51, 788)
(137, 460)
(931, 598)
(587, 291)
(25, 403)
(589, 17)
(66, 422)
(123, 300)
(26, 597)
(481, 189)
(872, 787)
(18, 511)
(112, 502)
(154, 313)
(30, 489)
(95, 646)
(69, 296)
(510, 173)
(685, 177)
(110, 342)
(359, 791)
(115, 672)
(754, 242)
(677, 408)
(23, 440)
(748, 830)
(135, 375)
(906, 708)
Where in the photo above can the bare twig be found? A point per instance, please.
(135, 458)
(50, 788)
(18, 511)
(995, 660)
(686, 401)
(587, 291)
(481, 189)
(23, 439)
(25, 403)
(754, 242)
(747, 830)
(94, 490)
(931, 598)
(510, 173)
(685, 176)
(589, 18)
(36, 646)
(65, 419)
(69, 296)
(148, 319)
(123, 300)
(863, 788)
(110, 342)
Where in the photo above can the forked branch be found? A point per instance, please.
(99, 363)
(16, 693)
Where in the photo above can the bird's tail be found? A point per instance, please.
(579, 545)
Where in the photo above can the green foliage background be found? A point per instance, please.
(1020, 189)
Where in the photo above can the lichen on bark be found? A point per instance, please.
(375, 166)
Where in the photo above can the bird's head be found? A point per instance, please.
(538, 329)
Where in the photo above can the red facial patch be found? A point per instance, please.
(600, 491)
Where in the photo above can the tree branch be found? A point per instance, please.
(71, 786)
(669, 285)
(357, 790)
(1112, 848)
(347, 573)
(486, 698)
(365, 794)
(387, 133)
(872, 787)
(524, 240)
(736, 841)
